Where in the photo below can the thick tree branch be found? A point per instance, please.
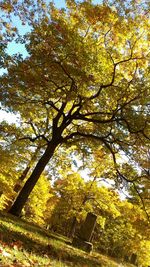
(56, 119)
(84, 118)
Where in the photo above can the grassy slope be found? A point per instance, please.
(24, 244)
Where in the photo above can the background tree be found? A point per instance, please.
(21, 156)
(36, 205)
(123, 234)
(70, 193)
(14, 153)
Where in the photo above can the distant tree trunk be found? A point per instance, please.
(30, 183)
(18, 186)
(22, 177)
(73, 227)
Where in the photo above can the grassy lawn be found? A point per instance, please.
(25, 244)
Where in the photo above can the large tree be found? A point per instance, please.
(85, 82)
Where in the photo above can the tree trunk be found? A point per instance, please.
(30, 183)
(73, 227)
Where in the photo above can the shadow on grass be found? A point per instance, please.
(31, 227)
(53, 245)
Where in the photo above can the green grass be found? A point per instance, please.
(25, 244)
